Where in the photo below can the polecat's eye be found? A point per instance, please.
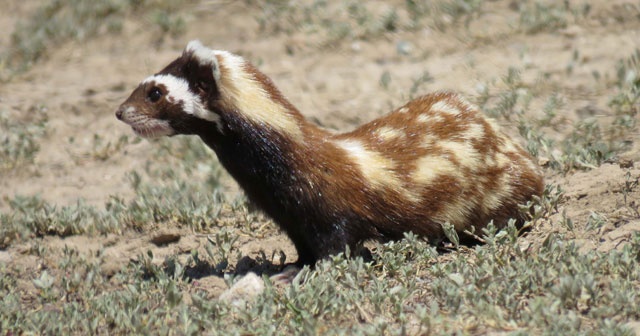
(154, 95)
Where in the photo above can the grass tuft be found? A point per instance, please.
(329, 23)
(180, 201)
(546, 285)
(60, 21)
(539, 17)
(19, 138)
(591, 142)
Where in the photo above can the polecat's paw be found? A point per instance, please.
(287, 276)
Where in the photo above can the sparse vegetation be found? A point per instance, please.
(180, 202)
(537, 16)
(574, 273)
(19, 137)
(552, 288)
(80, 20)
(103, 151)
(591, 141)
(332, 22)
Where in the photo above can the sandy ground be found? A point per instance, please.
(80, 85)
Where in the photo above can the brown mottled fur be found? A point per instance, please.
(434, 160)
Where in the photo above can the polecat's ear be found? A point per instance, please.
(202, 67)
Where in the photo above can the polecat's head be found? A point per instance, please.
(177, 97)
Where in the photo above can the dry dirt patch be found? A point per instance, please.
(80, 84)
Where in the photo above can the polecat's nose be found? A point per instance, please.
(119, 113)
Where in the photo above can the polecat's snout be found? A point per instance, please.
(142, 124)
(119, 112)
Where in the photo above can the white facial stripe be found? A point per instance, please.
(129, 114)
(178, 93)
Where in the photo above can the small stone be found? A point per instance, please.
(5, 257)
(625, 163)
(110, 268)
(244, 290)
(543, 161)
(165, 238)
(571, 31)
(634, 326)
(404, 47)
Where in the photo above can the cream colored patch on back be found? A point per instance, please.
(445, 107)
(378, 170)
(466, 105)
(252, 100)
(425, 118)
(464, 153)
(429, 140)
(456, 213)
(502, 160)
(533, 166)
(386, 133)
(429, 168)
(494, 199)
(474, 131)
(493, 125)
(429, 118)
(507, 146)
(403, 110)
